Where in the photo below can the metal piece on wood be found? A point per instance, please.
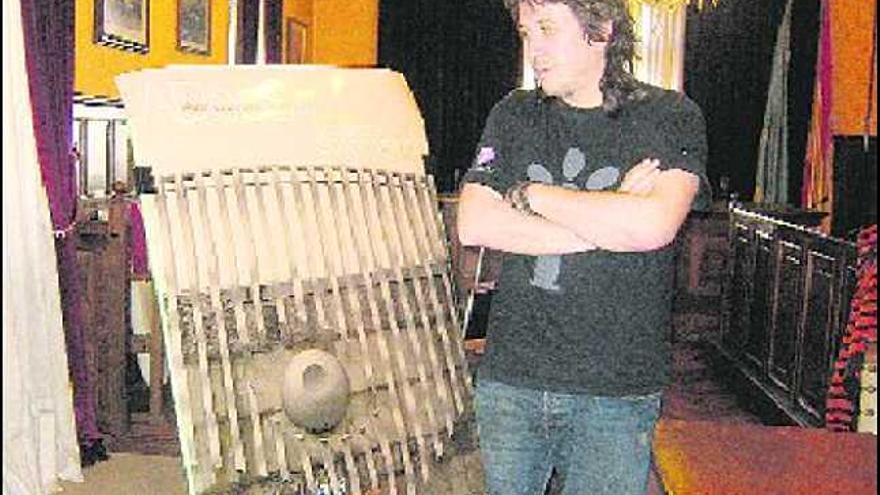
(261, 266)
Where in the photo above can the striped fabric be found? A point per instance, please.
(841, 404)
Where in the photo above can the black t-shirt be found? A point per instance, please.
(594, 322)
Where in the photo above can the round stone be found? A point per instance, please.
(316, 390)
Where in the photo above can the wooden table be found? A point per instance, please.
(714, 458)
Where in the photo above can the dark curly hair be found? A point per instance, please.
(618, 84)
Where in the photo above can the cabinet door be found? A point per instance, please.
(757, 343)
(816, 357)
(830, 279)
(738, 289)
(786, 308)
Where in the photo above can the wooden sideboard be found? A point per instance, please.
(786, 297)
(702, 253)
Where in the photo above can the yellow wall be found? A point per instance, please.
(96, 65)
(341, 32)
(345, 32)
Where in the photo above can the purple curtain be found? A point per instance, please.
(273, 13)
(248, 18)
(246, 44)
(137, 243)
(49, 51)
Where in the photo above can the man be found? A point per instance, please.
(584, 183)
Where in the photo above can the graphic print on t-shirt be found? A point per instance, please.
(545, 273)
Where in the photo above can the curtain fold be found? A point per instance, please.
(818, 164)
(247, 27)
(273, 19)
(39, 429)
(771, 178)
(49, 57)
(660, 30)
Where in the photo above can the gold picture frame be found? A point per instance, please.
(194, 26)
(123, 24)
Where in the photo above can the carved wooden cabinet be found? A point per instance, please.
(786, 300)
(103, 262)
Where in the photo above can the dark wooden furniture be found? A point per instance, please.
(709, 457)
(786, 300)
(103, 262)
(702, 249)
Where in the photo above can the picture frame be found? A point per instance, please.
(296, 37)
(123, 24)
(194, 26)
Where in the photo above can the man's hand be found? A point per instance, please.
(640, 180)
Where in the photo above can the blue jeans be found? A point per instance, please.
(599, 445)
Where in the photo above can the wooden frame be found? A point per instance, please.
(194, 26)
(123, 24)
(296, 41)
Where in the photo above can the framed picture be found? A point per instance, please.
(194, 26)
(123, 24)
(296, 35)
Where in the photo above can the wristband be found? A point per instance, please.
(518, 197)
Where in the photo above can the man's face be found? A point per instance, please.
(566, 63)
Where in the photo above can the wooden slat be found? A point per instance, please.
(396, 222)
(172, 333)
(367, 225)
(409, 209)
(341, 209)
(213, 266)
(280, 447)
(257, 427)
(262, 218)
(449, 334)
(252, 266)
(379, 227)
(189, 252)
(326, 452)
(294, 273)
(354, 479)
(327, 265)
(240, 315)
(301, 216)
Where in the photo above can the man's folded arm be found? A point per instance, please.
(485, 219)
(620, 221)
